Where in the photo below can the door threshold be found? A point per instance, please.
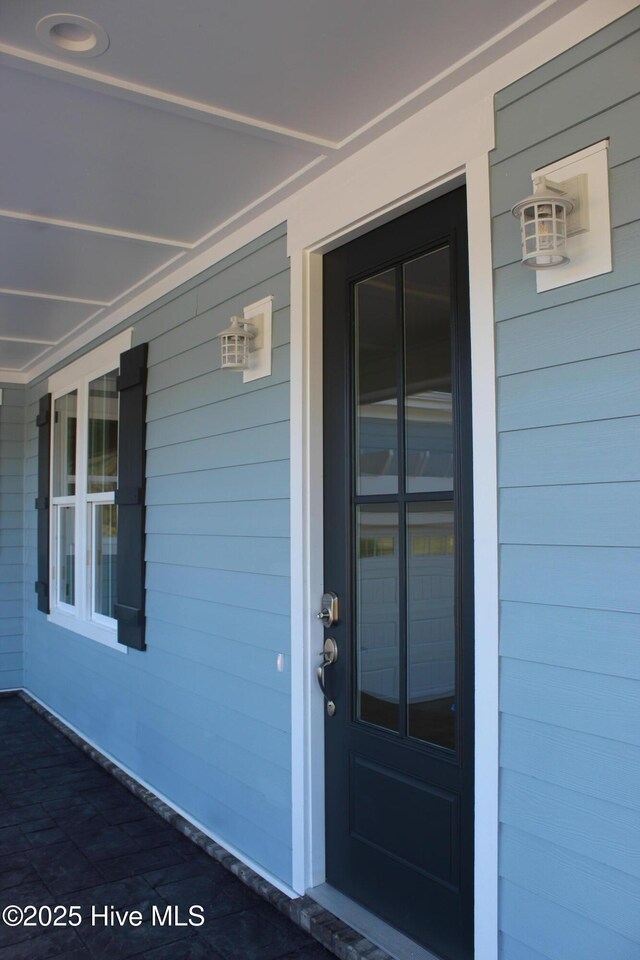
(396, 944)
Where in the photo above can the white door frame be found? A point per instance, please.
(344, 204)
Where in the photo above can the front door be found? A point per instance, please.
(398, 554)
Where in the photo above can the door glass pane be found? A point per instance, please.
(105, 533)
(377, 630)
(376, 379)
(102, 473)
(431, 629)
(64, 445)
(66, 554)
(428, 408)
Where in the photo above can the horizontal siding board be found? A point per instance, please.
(606, 833)
(269, 405)
(561, 934)
(238, 554)
(203, 330)
(12, 542)
(201, 362)
(251, 591)
(254, 445)
(600, 578)
(12, 680)
(602, 514)
(235, 279)
(10, 626)
(210, 388)
(11, 643)
(10, 661)
(570, 332)
(235, 623)
(600, 641)
(590, 764)
(516, 296)
(595, 891)
(210, 686)
(511, 179)
(242, 518)
(240, 658)
(599, 389)
(585, 50)
(546, 110)
(224, 485)
(10, 485)
(511, 949)
(598, 451)
(175, 313)
(603, 705)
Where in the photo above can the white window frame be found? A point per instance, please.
(81, 618)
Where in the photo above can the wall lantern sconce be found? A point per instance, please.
(246, 344)
(543, 225)
(565, 229)
(235, 344)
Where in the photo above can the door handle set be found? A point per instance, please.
(329, 655)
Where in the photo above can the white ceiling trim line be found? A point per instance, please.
(94, 228)
(46, 343)
(39, 295)
(151, 96)
(449, 72)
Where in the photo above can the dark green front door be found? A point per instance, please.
(398, 553)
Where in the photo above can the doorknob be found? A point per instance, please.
(329, 655)
(329, 609)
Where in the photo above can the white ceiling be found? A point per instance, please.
(113, 167)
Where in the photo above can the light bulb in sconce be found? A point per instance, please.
(543, 225)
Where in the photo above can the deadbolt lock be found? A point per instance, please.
(328, 609)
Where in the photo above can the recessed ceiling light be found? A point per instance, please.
(71, 35)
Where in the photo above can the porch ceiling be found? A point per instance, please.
(200, 114)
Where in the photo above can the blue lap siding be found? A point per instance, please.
(203, 715)
(568, 365)
(11, 535)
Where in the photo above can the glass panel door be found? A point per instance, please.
(404, 500)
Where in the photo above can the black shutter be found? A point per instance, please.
(132, 384)
(43, 423)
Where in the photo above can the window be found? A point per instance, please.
(84, 476)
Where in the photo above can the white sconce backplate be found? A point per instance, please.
(260, 314)
(585, 175)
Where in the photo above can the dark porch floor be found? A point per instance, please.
(70, 834)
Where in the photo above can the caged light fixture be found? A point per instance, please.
(246, 344)
(236, 344)
(543, 225)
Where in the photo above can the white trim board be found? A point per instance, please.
(307, 540)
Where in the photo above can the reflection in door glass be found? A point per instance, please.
(376, 384)
(431, 629)
(378, 632)
(428, 424)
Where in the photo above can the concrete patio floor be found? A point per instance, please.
(71, 835)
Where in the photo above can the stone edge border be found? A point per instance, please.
(335, 935)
